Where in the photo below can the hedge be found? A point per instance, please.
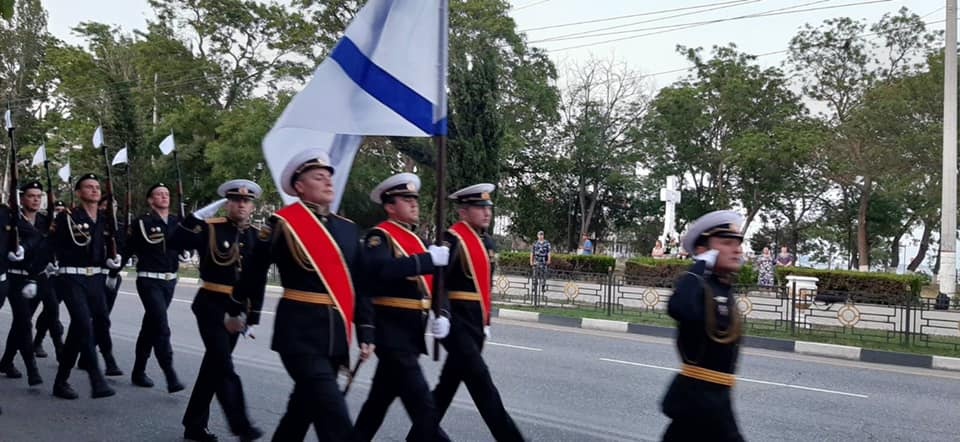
(664, 271)
(862, 286)
(573, 263)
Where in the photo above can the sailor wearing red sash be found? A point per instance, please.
(317, 254)
(398, 269)
(469, 278)
(225, 246)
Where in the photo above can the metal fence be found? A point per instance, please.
(778, 311)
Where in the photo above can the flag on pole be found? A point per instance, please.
(386, 76)
(40, 156)
(98, 137)
(64, 173)
(168, 145)
(120, 157)
(8, 120)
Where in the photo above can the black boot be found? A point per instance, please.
(98, 386)
(10, 370)
(141, 379)
(139, 376)
(199, 435)
(61, 388)
(38, 351)
(173, 382)
(251, 434)
(33, 374)
(112, 369)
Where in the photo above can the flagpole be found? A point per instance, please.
(183, 209)
(129, 200)
(14, 202)
(111, 214)
(441, 143)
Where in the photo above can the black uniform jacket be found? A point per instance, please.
(390, 274)
(467, 318)
(149, 240)
(301, 327)
(226, 249)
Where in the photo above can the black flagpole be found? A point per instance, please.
(441, 201)
(183, 207)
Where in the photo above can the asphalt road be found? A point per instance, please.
(559, 384)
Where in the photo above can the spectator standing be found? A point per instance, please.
(658, 251)
(765, 268)
(785, 258)
(540, 256)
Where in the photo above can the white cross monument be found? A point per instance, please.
(671, 196)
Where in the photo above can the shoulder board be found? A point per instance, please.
(265, 232)
(217, 220)
(345, 219)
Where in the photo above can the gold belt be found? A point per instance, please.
(404, 303)
(218, 288)
(308, 297)
(707, 375)
(464, 296)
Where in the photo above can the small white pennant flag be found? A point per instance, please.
(168, 145)
(7, 120)
(41, 156)
(64, 173)
(98, 137)
(120, 157)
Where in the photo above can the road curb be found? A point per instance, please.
(828, 350)
(781, 345)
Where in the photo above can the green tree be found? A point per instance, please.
(733, 130)
(837, 66)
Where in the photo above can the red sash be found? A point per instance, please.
(408, 244)
(478, 261)
(325, 256)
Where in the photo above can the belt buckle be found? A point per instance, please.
(89, 271)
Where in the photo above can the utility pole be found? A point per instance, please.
(948, 209)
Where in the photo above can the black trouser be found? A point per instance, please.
(216, 376)
(465, 364)
(156, 295)
(399, 375)
(87, 305)
(699, 410)
(49, 318)
(20, 337)
(316, 399)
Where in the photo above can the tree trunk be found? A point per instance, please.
(863, 247)
(924, 246)
(750, 215)
(895, 252)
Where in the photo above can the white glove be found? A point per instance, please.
(112, 282)
(486, 331)
(709, 257)
(115, 262)
(440, 327)
(184, 256)
(29, 291)
(235, 324)
(248, 333)
(440, 255)
(52, 269)
(16, 256)
(210, 209)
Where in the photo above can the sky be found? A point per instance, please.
(652, 54)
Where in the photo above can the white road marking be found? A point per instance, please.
(741, 379)
(518, 347)
(186, 301)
